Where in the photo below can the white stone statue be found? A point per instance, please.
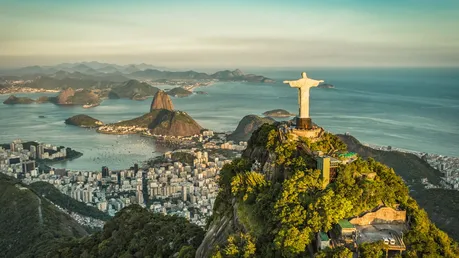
(303, 85)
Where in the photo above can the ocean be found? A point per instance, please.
(412, 109)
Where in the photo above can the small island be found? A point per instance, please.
(84, 121)
(278, 113)
(179, 92)
(13, 100)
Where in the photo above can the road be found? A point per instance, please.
(40, 215)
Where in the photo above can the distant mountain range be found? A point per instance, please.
(83, 67)
(104, 72)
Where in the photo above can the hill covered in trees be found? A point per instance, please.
(275, 209)
(137, 232)
(51, 193)
(30, 225)
(442, 205)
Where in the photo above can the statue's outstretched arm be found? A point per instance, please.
(315, 83)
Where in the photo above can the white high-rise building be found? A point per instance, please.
(184, 193)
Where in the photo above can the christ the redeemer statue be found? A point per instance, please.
(304, 84)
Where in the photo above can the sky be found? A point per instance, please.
(238, 33)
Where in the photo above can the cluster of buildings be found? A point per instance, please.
(228, 145)
(110, 129)
(169, 187)
(186, 190)
(449, 166)
(381, 224)
(20, 157)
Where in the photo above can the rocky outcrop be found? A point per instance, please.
(218, 232)
(12, 100)
(63, 97)
(247, 126)
(176, 123)
(83, 121)
(161, 101)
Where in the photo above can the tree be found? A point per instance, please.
(240, 245)
(371, 250)
(338, 252)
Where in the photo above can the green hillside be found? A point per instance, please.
(132, 89)
(277, 211)
(137, 232)
(441, 205)
(53, 194)
(29, 224)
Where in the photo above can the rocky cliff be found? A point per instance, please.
(176, 123)
(247, 126)
(161, 101)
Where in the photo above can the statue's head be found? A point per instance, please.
(303, 75)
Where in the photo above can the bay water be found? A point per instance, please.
(413, 109)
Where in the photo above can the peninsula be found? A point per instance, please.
(157, 122)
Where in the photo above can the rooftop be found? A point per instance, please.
(344, 223)
(323, 236)
(347, 155)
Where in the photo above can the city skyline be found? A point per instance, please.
(207, 34)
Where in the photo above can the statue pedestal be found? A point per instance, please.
(313, 135)
(303, 123)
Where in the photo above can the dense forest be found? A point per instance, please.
(137, 232)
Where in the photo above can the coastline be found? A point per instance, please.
(199, 85)
(21, 90)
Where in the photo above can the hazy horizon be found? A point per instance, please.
(205, 34)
